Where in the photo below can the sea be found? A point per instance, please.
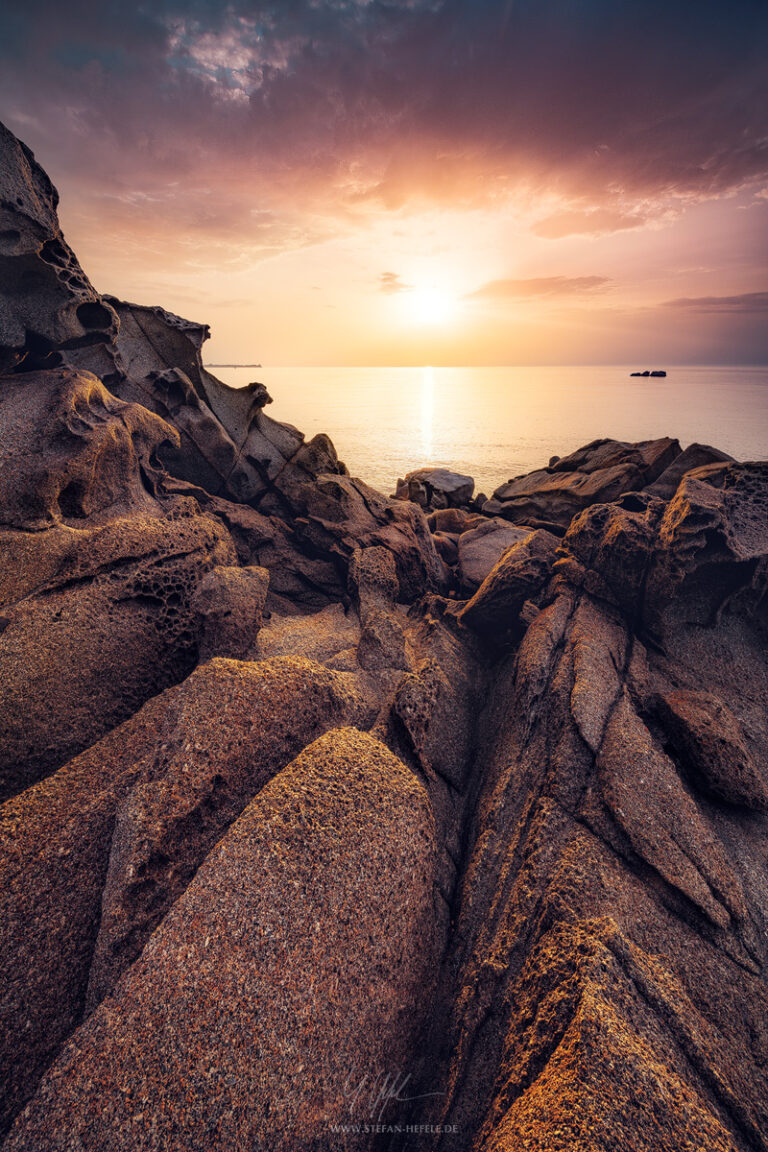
(496, 423)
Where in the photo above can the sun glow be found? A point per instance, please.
(429, 306)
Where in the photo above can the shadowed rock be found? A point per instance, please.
(694, 456)
(520, 574)
(229, 603)
(481, 548)
(46, 301)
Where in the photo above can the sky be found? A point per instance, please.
(412, 181)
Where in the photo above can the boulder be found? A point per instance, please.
(453, 521)
(290, 977)
(447, 548)
(694, 456)
(95, 855)
(480, 549)
(596, 474)
(374, 584)
(710, 743)
(712, 546)
(336, 515)
(519, 575)
(436, 488)
(229, 603)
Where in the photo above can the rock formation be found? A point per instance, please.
(328, 824)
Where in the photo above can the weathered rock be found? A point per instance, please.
(520, 574)
(694, 456)
(114, 606)
(298, 580)
(436, 488)
(227, 443)
(712, 544)
(598, 473)
(71, 451)
(337, 515)
(454, 521)
(97, 561)
(481, 548)
(709, 742)
(612, 911)
(375, 588)
(46, 300)
(229, 603)
(373, 580)
(303, 945)
(382, 644)
(95, 855)
(319, 636)
(447, 548)
(609, 550)
(50, 315)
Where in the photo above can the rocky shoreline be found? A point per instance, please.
(339, 821)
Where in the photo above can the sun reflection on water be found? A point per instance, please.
(427, 412)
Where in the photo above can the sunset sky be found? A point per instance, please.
(412, 181)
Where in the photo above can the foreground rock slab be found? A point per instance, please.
(298, 960)
(94, 856)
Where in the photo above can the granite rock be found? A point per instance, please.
(96, 854)
(229, 603)
(598, 473)
(47, 303)
(481, 548)
(435, 488)
(292, 974)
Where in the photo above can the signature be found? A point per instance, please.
(369, 1095)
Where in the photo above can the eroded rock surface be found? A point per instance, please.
(306, 790)
(96, 854)
(262, 984)
(47, 303)
(598, 473)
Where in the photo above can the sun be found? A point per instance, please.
(429, 306)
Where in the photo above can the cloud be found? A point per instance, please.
(747, 303)
(539, 286)
(587, 222)
(321, 106)
(391, 283)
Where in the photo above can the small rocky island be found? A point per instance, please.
(337, 821)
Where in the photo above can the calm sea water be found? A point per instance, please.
(494, 423)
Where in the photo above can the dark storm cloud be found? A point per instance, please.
(538, 286)
(616, 108)
(747, 303)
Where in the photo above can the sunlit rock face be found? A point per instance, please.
(317, 812)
